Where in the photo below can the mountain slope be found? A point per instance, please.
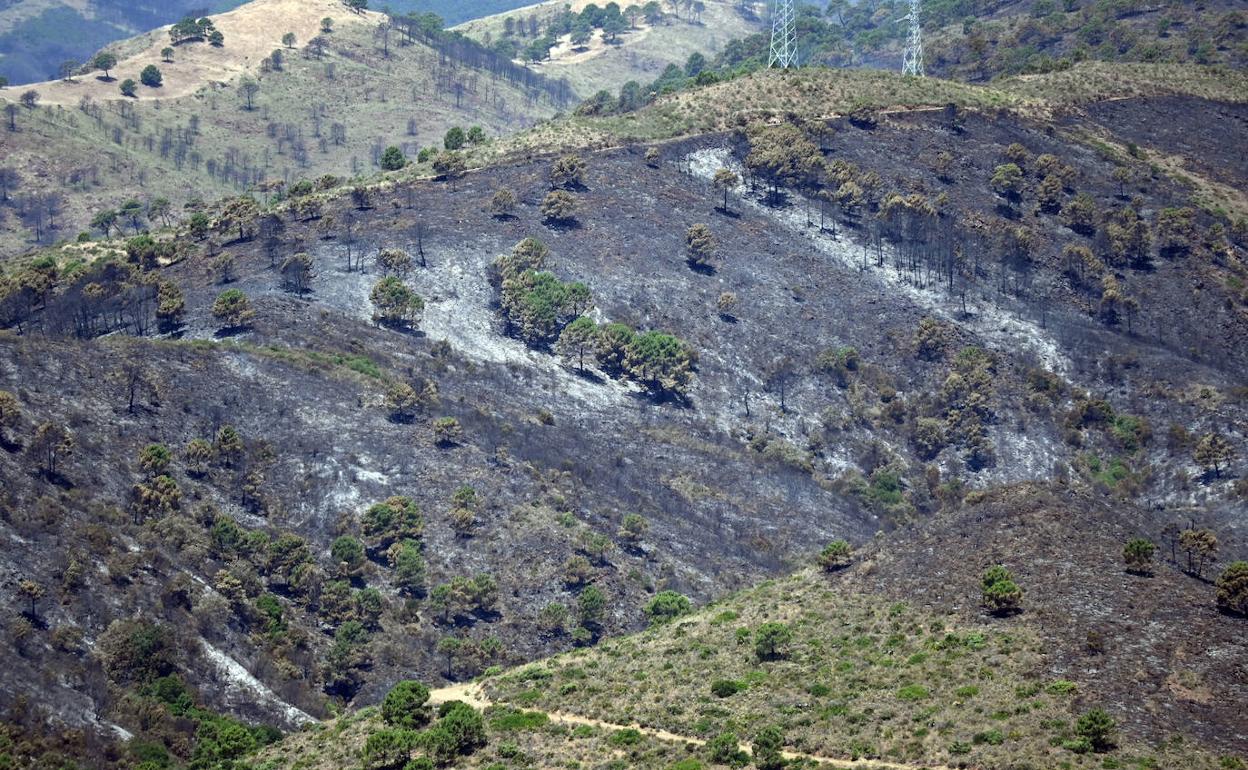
(330, 112)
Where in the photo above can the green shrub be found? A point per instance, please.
(626, 737)
(913, 692)
(404, 705)
(726, 688)
(1097, 728)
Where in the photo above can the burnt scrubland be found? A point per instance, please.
(265, 464)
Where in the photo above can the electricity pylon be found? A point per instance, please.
(912, 60)
(783, 35)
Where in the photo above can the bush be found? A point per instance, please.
(389, 748)
(726, 688)
(1097, 728)
(232, 309)
(666, 606)
(1001, 595)
(136, 651)
(1232, 587)
(835, 555)
(771, 639)
(447, 431)
(725, 749)
(404, 705)
(1138, 555)
(151, 77)
(392, 159)
(626, 737)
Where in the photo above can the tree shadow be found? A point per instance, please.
(231, 331)
(562, 225)
(727, 212)
(701, 268)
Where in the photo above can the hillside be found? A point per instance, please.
(208, 494)
(38, 36)
(643, 49)
(332, 105)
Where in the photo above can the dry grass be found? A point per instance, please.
(863, 678)
(251, 33)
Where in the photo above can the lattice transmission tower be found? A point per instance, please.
(912, 60)
(783, 35)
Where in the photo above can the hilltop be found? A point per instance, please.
(644, 47)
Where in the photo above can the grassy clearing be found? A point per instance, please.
(859, 678)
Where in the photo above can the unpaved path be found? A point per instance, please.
(474, 695)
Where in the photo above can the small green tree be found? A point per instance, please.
(1001, 595)
(1213, 452)
(558, 207)
(771, 641)
(104, 61)
(1232, 587)
(725, 749)
(392, 159)
(1007, 182)
(347, 553)
(447, 431)
(576, 339)
(128, 87)
(405, 705)
(568, 172)
(767, 745)
(632, 529)
(835, 555)
(503, 203)
(155, 459)
(232, 309)
(591, 605)
(1137, 554)
(455, 139)
(288, 39)
(699, 246)
(394, 304)
(327, 25)
(151, 76)
(1096, 728)
(166, 54)
(725, 180)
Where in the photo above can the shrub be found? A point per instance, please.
(150, 76)
(725, 749)
(666, 606)
(1097, 728)
(626, 737)
(1137, 554)
(771, 640)
(404, 705)
(913, 692)
(389, 748)
(1232, 587)
(726, 688)
(447, 431)
(835, 555)
(1001, 595)
(464, 724)
(558, 207)
(398, 518)
(392, 159)
(232, 309)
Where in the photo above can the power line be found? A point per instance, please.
(912, 60)
(783, 35)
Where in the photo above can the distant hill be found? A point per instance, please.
(331, 108)
(38, 36)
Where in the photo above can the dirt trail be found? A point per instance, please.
(474, 695)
